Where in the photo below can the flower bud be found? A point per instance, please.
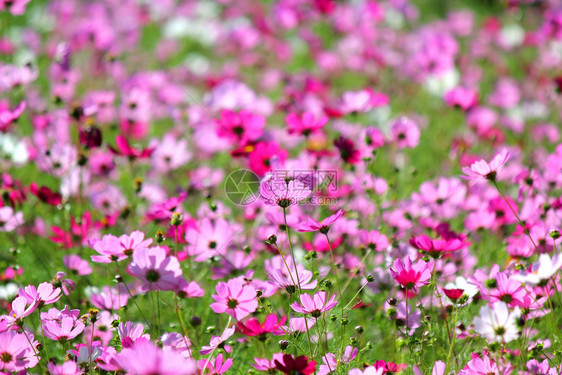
(195, 321)
(359, 329)
(159, 236)
(138, 185)
(177, 219)
(283, 344)
(93, 315)
(272, 240)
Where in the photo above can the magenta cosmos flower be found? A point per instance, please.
(437, 246)
(311, 225)
(279, 191)
(252, 327)
(305, 124)
(410, 276)
(155, 269)
(314, 306)
(481, 170)
(236, 298)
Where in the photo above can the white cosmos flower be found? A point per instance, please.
(496, 323)
(541, 270)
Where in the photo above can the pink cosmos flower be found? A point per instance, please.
(481, 170)
(144, 358)
(369, 370)
(20, 310)
(9, 219)
(462, 97)
(114, 248)
(241, 127)
(484, 365)
(299, 324)
(260, 159)
(156, 269)
(210, 238)
(67, 329)
(437, 246)
(7, 116)
(67, 368)
(290, 280)
(508, 290)
(109, 298)
(306, 124)
(235, 298)
(267, 365)
(15, 352)
(44, 294)
(216, 366)
(218, 342)
(130, 333)
(405, 133)
(314, 306)
(276, 190)
(16, 7)
(124, 148)
(323, 226)
(411, 277)
(77, 265)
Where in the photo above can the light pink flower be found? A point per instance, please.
(235, 298)
(156, 269)
(314, 306)
(481, 170)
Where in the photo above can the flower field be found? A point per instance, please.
(286, 187)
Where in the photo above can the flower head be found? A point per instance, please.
(496, 323)
(314, 306)
(235, 298)
(481, 170)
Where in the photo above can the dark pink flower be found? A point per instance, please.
(306, 124)
(410, 276)
(242, 127)
(252, 326)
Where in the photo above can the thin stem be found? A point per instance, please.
(91, 345)
(339, 291)
(131, 295)
(453, 339)
(517, 216)
(296, 271)
(291, 248)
